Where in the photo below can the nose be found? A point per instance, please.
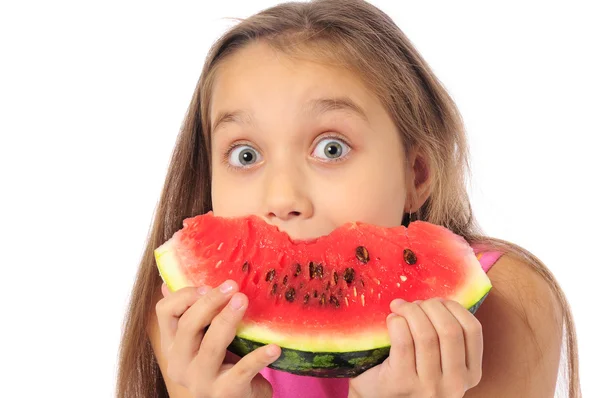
(286, 195)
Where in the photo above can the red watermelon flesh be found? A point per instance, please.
(327, 295)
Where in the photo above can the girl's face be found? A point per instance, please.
(304, 146)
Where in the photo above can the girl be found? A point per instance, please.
(312, 115)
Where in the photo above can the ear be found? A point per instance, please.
(418, 181)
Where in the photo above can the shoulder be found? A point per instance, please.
(522, 322)
(525, 289)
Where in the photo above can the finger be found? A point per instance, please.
(220, 334)
(243, 373)
(473, 335)
(427, 346)
(168, 311)
(164, 289)
(450, 334)
(402, 351)
(192, 323)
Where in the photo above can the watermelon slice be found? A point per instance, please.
(323, 301)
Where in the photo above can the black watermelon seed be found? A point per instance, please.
(410, 257)
(274, 289)
(328, 285)
(362, 254)
(245, 266)
(335, 277)
(270, 275)
(285, 280)
(349, 275)
(316, 294)
(290, 294)
(306, 298)
(298, 270)
(323, 299)
(319, 271)
(362, 283)
(311, 270)
(333, 300)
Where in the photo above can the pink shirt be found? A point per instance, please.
(287, 385)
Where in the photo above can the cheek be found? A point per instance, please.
(369, 192)
(230, 198)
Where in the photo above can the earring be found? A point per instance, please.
(409, 217)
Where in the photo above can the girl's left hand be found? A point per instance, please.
(436, 351)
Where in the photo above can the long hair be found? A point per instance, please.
(351, 34)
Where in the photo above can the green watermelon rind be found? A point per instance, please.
(317, 364)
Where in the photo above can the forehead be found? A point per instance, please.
(258, 76)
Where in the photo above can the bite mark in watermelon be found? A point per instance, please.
(323, 301)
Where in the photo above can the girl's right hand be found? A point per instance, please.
(196, 359)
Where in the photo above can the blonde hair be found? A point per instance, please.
(351, 34)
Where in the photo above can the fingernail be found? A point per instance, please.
(272, 351)
(390, 316)
(397, 302)
(202, 290)
(226, 287)
(236, 302)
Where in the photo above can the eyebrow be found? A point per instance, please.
(312, 108)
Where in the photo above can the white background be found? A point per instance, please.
(92, 95)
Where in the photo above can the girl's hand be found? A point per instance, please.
(197, 360)
(436, 351)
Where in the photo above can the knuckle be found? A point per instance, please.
(454, 391)
(191, 295)
(187, 295)
(208, 300)
(429, 339)
(213, 299)
(455, 387)
(429, 303)
(241, 372)
(474, 377)
(451, 332)
(160, 307)
(408, 310)
(224, 320)
(474, 328)
(454, 306)
(187, 323)
(403, 346)
(209, 349)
